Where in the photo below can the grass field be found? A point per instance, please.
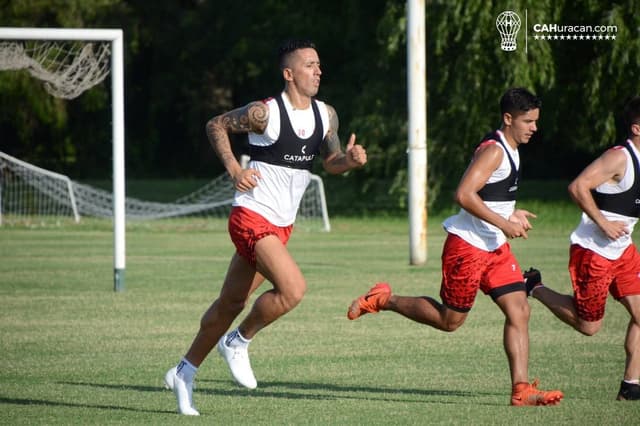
(75, 352)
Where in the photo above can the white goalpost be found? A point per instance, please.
(417, 149)
(66, 73)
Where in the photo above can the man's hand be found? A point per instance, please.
(614, 229)
(514, 229)
(356, 154)
(522, 217)
(246, 179)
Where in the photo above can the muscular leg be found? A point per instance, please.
(632, 341)
(516, 310)
(241, 280)
(276, 264)
(563, 307)
(426, 310)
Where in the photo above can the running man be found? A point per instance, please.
(603, 258)
(285, 134)
(476, 254)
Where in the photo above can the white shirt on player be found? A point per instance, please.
(475, 231)
(277, 195)
(590, 236)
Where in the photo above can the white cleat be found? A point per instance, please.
(168, 379)
(237, 359)
(183, 392)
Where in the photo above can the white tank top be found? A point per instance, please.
(590, 236)
(475, 231)
(278, 194)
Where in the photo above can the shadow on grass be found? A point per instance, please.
(314, 391)
(47, 403)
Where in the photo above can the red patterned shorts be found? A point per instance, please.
(247, 227)
(467, 269)
(593, 277)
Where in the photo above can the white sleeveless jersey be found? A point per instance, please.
(475, 231)
(590, 236)
(277, 195)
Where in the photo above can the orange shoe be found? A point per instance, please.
(529, 394)
(371, 302)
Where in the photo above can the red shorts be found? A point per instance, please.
(247, 227)
(593, 277)
(466, 268)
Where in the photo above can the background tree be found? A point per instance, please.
(188, 60)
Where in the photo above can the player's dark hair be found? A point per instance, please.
(289, 46)
(631, 113)
(518, 100)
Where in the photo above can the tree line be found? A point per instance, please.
(188, 60)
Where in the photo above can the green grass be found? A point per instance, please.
(75, 352)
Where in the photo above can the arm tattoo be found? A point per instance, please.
(258, 115)
(250, 118)
(332, 141)
(219, 140)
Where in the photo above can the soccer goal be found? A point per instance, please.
(68, 62)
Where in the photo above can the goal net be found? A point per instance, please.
(30, 194)
(67, 68)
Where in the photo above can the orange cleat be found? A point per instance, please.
(371, 302)
(529, 394)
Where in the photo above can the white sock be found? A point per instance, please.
(186, 371)
(632, 381)
(535, 288)
(235, 339)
